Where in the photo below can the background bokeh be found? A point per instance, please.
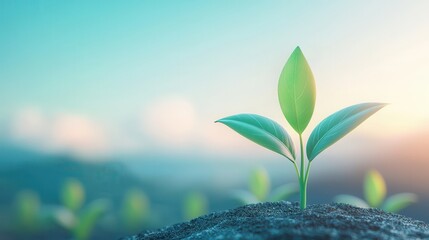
(121, 97)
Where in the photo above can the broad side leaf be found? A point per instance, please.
(399, 201)
(262, 131)
(297, 91)
(339, 124)
(374, 188)
(352, 200)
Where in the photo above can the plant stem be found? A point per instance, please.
(306, 174)
(297, 171)
(302, 178)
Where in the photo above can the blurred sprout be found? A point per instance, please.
(73, 194)
(194, 205)
(260, 188)
(399, 201)
(259, 183)
(374, 189)
(135, 209)
(88, 218)
(28, 209)
(80, 221)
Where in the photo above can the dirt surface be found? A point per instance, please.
(285, 220)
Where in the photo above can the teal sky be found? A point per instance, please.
(111, 60)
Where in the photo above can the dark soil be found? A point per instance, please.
(285, 220)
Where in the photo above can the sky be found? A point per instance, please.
(104, 78)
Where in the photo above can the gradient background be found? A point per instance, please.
(132, 89)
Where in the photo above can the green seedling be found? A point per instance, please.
(374, 189)
(72, 195)
(135, 209)
(194, 205)
(28, 209)
(73, 216)
(297, 97)
(260, 188)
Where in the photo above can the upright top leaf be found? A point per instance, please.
(297, 91)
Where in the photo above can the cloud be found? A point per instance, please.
(169, 122)
(78, 135)
(28, 125)
(64, 133)
(173, 123)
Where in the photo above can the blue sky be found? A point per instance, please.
(110, 64)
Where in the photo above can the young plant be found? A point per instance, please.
(260, 188)
(79, 220)
(195, 204)
(297, 97)
(28, 211)
(374, 189)
(135, 209)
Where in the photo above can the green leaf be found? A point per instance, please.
(72, 194)
(399, 201)
(284, 192)
(135, 209)
(195, 205)
(259, 184)
(297, 91)
(337, 125)
(88, 219)
(352, 200)
(374, 188)
(262, 131)
(28, 207)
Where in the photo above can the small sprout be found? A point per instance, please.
(135, 209)
(297, 98)
(73, 216)
(88, 218)
(260, 189)
(73, 194)
(374, 189)
(259, 184)
(194, 205)
(27, 205)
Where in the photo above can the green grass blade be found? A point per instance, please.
(374, 188)
(297, 91)
(397, 202)
(262, 131)
(337, 125)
